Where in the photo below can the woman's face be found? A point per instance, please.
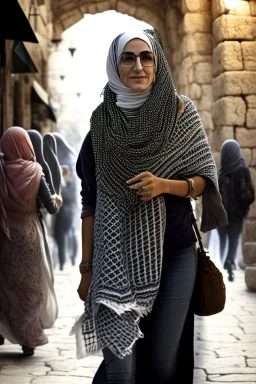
(138, 78)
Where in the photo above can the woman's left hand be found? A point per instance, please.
(147, 185)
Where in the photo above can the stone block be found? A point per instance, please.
(195, 6)
(229, 111)
(249, 55)
(203, 73)
(230, 27)
(205, 103)
(249, 230)
(216, 156)
(247, 155)
(206, 118)
(183, 74)
(195, 91)
(126, 8)
(207, 90)
(253, 163)
(251, 101)
(251, 118)
(234, 83)
(246, 137)
(253, 7)
(242, 9)
(199, 43)
(227, 56)
(252, 211)
(226, 133)
(201, 58)
(196, 22)
(218, 8)
(250, 278)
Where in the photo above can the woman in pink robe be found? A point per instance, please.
(28, 302)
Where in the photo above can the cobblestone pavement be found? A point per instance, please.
(225, 347)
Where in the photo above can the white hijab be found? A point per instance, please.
(126, 97)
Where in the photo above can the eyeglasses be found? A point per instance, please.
(128, 59)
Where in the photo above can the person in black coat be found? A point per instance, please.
(237, 194)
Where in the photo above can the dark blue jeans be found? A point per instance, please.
(154, 358)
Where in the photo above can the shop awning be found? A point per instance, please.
(21, 60)
(17, 26)
(41, 96)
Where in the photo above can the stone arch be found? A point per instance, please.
(69, 13)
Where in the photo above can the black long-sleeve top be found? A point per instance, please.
(178, 234)
(45, 198)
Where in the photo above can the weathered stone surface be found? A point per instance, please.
(249, 55)
(173, 20)
(226, 133)
(218, 8)
(242, 9)
(246, 137)
(234, 83)
(249, 230)
(196, 22)
(199, 43)
(195, 91)
(253, 163)
(249, 252)
(183, 74)
(201, 58)
(251, 101)
(126, 8)
(250, 278)
(206, 118)
(203, 73)
(195, 6)
(205, 103)
(227, 56)
(251, 118)
(247, 155)
(253, 7)
(229, 111)
(229, 27)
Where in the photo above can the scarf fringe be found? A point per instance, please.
(120, 309)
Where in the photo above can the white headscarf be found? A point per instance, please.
(126, 97)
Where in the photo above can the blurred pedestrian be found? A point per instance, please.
(50, 155)
(27, 298)
(65, 232)
(237, 194)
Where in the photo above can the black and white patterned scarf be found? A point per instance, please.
(129, 234)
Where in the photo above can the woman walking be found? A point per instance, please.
(146, 154)
(237, 194)
(27, 299)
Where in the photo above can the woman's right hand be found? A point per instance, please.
(58, 200)
(84, 285)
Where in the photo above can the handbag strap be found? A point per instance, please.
(194, 224)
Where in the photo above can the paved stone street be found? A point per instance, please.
(225, 343)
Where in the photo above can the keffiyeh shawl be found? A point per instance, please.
(129, 234)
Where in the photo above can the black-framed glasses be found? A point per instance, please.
(128, 59)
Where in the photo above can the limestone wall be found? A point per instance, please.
(234, 97)
(189, 29)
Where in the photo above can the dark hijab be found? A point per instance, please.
(230, 157)
(37, 142)
(50, 154)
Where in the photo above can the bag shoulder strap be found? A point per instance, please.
(194, 224)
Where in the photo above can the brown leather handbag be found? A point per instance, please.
(209, 296)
